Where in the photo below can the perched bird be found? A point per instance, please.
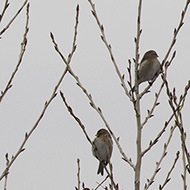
(149, 67)
(102, 148)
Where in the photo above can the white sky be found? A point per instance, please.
(50, 158)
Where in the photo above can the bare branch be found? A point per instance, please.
(74, 41)
(6, 176)
(152, 143)
(15, 16)
(137, 102)
(4, 10)
(111, 178)
(100, 184)
(70, 71)
(75, 117)
(84, 131)
(78, 173)
(91, 102)
(103, 37)
(170, 171)
(183, 97)
(27, 135)
(150, 113)
(57, 48)
(155, 104)
(46, 105)
(164, 153)
(176, 31)
(99, 111)
(184, 155)
(164, 77)
(177, 115)
(22, 51)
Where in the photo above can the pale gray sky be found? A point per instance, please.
(50, 159)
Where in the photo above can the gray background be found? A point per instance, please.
(49, 161)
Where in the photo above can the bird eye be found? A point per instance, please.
(154, 53)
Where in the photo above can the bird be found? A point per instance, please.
(149, 67)
(102, 147)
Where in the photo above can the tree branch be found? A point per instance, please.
(164, 153)
(169, 173)
(22, 51)
(108, 46)
(137, 102)
(15, 16)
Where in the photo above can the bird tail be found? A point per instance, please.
(101, 169)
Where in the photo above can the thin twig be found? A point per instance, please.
(179, 107)
(155, 103)
(146, 90)
(184, 148)
(4, 10)
(164, 77)
(176, 31)
(111, 175)
(183, 97)
(152, 143)
(176, 110)
(177, 115)
(14, 17)
(74, 41)
(84, 131)
(164, 153)
(27, 135)
(46, 105)
(167, 64)
(178, 119)
(184, 175)
(78, 173)
(70, 71)
(67, 61)
(99, 111)
(103, 37)
(169, 173)
(6, 176)
(100, 184)
(137, 39)
(89, 96)
(22, 51)
(75, 117)
(130, 75)
(130, 81)
(111, 178)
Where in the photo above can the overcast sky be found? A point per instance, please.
(50, 159)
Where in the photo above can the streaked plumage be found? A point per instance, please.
(149, 67)
(102, 148)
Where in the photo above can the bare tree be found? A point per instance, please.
(174, 102)
(135, 99)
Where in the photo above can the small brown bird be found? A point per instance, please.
(149, 67)
(102, 148)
